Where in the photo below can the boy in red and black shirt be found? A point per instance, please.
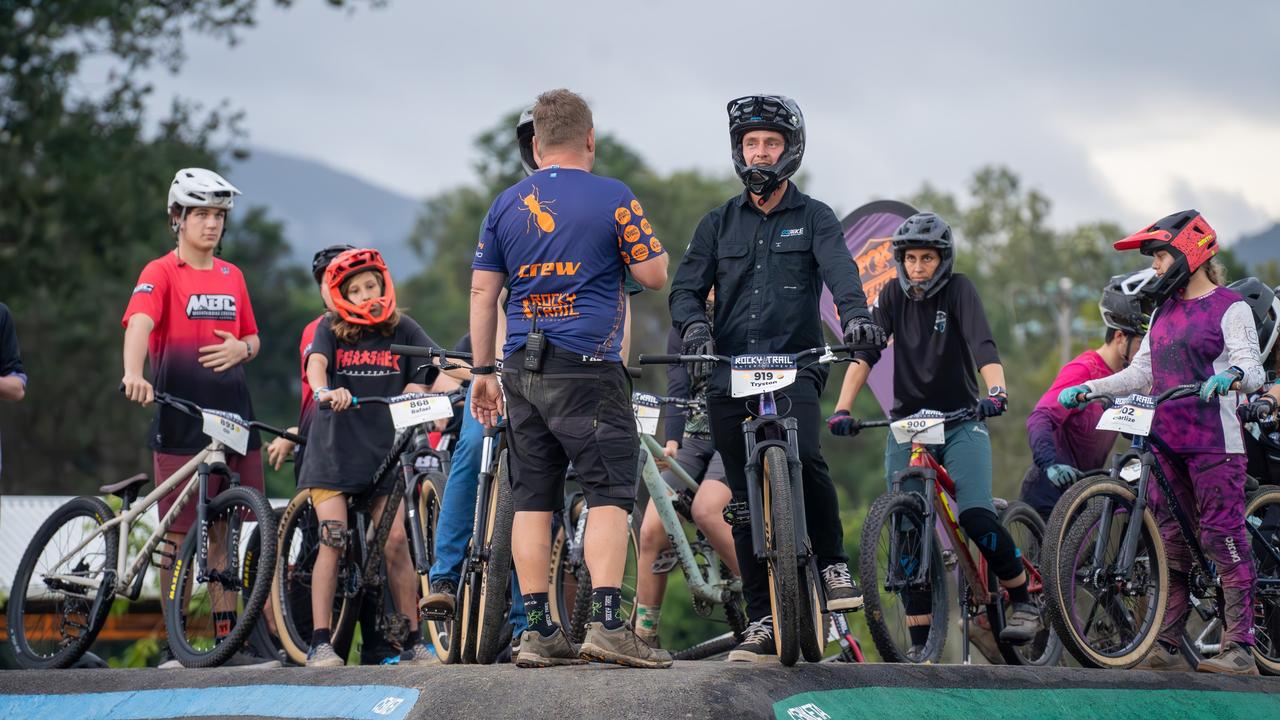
(190, 315)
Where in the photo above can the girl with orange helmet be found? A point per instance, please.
(1200, 333)
(351, 356)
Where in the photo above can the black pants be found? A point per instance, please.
(821, 508)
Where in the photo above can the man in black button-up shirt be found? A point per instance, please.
(767, 253)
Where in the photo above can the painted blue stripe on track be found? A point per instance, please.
(358, 702)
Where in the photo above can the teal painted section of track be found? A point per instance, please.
(357, 702)
(1041, 704)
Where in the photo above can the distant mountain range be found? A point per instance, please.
(1254, 249)
(320, 206)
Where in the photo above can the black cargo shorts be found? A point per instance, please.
(572, 411)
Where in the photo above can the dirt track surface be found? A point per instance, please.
(688, 690)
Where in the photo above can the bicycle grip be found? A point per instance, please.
(659, 359)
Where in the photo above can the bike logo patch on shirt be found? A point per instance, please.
(940, 322)
(211, 307)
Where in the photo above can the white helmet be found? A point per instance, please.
(197, 187)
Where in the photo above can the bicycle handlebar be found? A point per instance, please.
(454, 396)
(954, 415)
(1176, 392)
(189, 408)
(675, 359)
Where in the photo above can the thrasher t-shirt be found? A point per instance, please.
(187, 305)
(564, 239)
(345, 448)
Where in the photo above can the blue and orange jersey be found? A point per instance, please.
(187, 305)
(564, 239)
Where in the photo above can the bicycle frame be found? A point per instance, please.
(780, 432)
(713, 587)
(128, 581)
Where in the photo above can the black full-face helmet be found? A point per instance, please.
(1265, 305)
(524, 136)
(1128, 300)
(924, 230)
(766, 112)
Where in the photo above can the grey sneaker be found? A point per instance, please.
(1023, 624)
(621, 647)
(419, 655)
(248, 659)
(323, 655)
(757, 643)
(1233, 660)
(649, 637)
(1161, 660)
(537, 651)
(843, 594)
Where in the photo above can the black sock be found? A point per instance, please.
(414, 638)
(538, 611)
(919, 634)
(222, 624)
(319, 636)
(1019, 594)
(606, 607)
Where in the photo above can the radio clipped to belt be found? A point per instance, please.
(535, 344)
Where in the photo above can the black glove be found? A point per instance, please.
(696, 340)
(863, 331)
(1258, 410)
(993, 405)
(843, 424)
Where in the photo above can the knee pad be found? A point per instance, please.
(984, 528)
(333, 533)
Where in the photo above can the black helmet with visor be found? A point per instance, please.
(766, 112)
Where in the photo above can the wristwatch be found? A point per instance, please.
(997, 390)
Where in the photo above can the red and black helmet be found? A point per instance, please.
(1187, 236)
(350, 264)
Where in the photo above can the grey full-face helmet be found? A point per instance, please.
(924, 230)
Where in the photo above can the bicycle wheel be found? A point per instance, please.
(430, 491)
(208, 618)
(1104, 619)
(566, 577)
(52, 623)
(780, 547)
(297, 546)
(813, 623)
(889, 561)
(493, 631)
(265, 639)
(1263, 515)
(1026, 527)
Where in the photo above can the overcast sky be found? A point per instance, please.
(1116, 110)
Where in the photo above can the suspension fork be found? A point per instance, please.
(417, 543)
(1129, 546)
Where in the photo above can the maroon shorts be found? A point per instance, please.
(249, 468)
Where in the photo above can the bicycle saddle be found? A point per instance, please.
(125, 487)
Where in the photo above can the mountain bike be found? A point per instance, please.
(1107, 584)
(76, 564)
(569, 586)
(478, 630)
(709, 580)
(775, 495)
(361, 574)
(912, 538)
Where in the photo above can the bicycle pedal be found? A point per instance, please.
(738, 514)
(435, 614)
(666, 562)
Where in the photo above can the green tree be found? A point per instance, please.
(82, 182)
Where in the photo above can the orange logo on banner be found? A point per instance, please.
(646, 227)
(655, 246)
(538, 209)
(640, 253)
(622, 215)
(876, 267)
(632, 233)
(635, 207)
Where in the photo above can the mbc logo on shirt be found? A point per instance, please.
(211, 307)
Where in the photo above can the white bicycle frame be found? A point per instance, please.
(213, 454)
